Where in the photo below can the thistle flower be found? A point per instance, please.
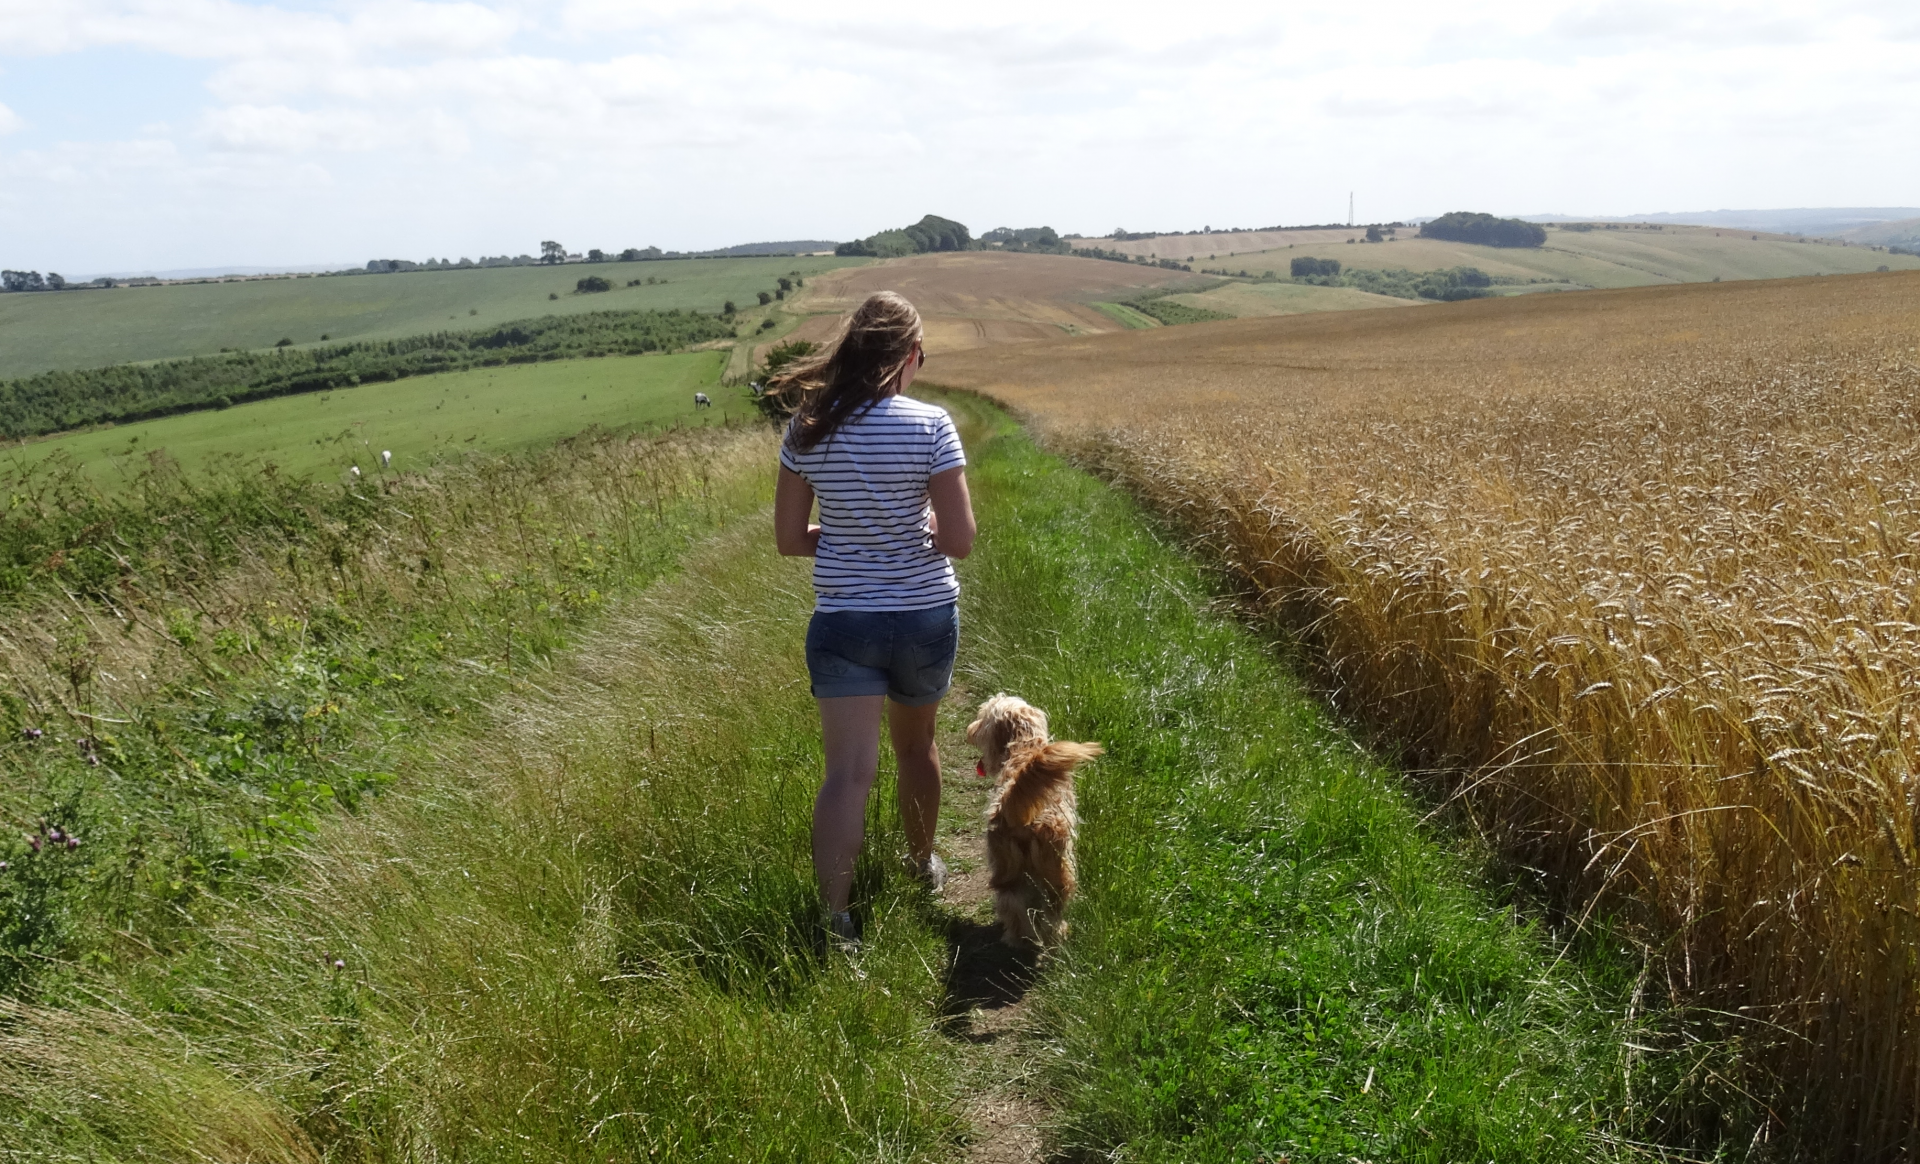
(32, 733)
(339, 964)
(33, 839)
(54, 834)
(73, 842)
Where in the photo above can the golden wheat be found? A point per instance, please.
(1634, 575)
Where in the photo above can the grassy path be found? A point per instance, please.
(584, 930)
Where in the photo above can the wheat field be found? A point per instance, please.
(1632, 577)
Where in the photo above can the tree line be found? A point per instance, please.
(57, 401)
(931, 233)
(1485, 230)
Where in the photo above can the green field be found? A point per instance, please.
(1600, 258)
(421, 420)
(1126, 316)
(85, 329)
(1245, 299)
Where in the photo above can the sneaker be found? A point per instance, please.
(846, 936)
(932, 874)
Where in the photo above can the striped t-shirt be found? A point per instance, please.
(876, 542)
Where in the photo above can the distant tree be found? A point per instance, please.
(786, 284)
(1374, 235)
(283, 342)
(728, 309)
(552, 252)
(1305, 267)
(766, 297)
(592, 283)
(766, 324)
(22, 281)
(779, 294)
(630, 255)
(931, 233)
(596, 255)
(55, 282)
(1485, 230)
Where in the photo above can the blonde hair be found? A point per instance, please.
(851, 373)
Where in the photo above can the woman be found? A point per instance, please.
(890, 477)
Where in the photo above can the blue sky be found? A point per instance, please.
(189, 133)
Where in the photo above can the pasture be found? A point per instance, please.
(1630, 576)
(84, 329)
(421, 419)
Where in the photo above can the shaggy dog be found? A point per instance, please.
(1030, 820)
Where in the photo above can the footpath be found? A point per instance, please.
(587, 929)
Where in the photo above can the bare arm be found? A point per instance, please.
(792, 506)
(953, 527)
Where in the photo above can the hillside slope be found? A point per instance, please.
(1626, 256)
(86, 329)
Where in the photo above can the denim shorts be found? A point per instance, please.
(906, 655)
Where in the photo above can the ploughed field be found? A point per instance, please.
(1632, 577)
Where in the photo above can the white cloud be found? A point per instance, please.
(9, 120)
(457, 126)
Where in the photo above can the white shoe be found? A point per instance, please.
(933, 874)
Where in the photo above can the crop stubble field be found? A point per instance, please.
(977, 299)
(1631, 576)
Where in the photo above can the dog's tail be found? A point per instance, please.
(1040, 772)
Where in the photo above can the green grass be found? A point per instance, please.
(1258, 299)
(578, 922)
(84, 329)
(421, 419)
(1125, 316)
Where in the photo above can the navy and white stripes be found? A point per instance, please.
(876, 543)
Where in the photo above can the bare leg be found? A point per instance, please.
(918, 758)
(850, 730)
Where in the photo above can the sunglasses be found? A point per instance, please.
(920, 354)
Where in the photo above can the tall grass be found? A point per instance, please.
(587, 931)
(1632, 579)
(200, 669)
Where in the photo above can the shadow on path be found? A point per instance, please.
(982, 972)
